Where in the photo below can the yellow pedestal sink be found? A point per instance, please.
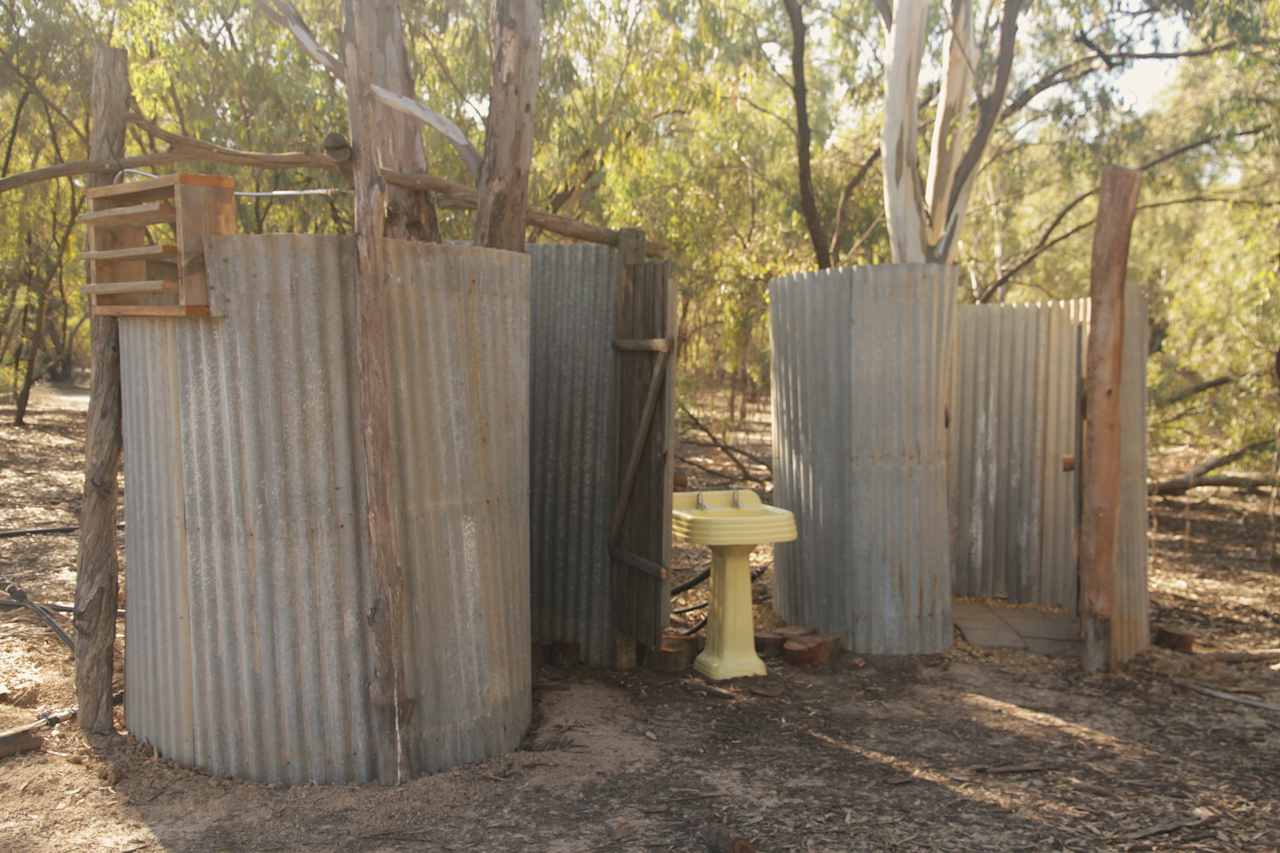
(731, 523)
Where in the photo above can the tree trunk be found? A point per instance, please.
(903, 204)
(34, 347)
(508, 141)
(1101, 475)
(803, 136)
(97, 573)
(957, 89)
(374, 53)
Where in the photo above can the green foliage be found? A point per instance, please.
(678, 116)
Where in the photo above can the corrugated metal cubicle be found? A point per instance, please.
(248, 648)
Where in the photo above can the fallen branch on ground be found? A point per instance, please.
(706, 469)
(1230, 697)
(18, 738)
(43, 531)
(1197, 476)
(735, 454)
(1170, 826)
(1243, 482)
(1259, 656)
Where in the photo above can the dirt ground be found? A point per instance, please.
(968, 750)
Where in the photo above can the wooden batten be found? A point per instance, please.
(120, 288)
(146, 243)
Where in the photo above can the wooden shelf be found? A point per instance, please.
(163, 184)
(132, 274)
(120, 288)
(146, 213)
(151, 310)
(156, 254)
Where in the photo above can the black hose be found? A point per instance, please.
(691, 583)
(689, 609)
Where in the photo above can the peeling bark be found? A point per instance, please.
(97, 581)
(508, 143)
(957, 89)
(903, 204)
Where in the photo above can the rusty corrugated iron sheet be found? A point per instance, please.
(861, 364)
(1014, 417)
(275, 556)
(573, 443)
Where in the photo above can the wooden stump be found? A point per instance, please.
(674, 654)
(564, 655)
(769, 643)
(811, 649)
(1178, 641)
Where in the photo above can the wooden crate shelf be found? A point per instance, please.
(117, 288)
(147, 213)
(146, 244)
(156, 253)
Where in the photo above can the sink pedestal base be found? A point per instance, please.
(731, 639)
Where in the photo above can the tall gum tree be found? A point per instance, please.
(924, 221)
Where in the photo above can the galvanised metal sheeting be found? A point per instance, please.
(1130, 628)
(1014, 416)
(275, 553)
(460, 358)
(861, 361)
(573, 443)
(158, 652)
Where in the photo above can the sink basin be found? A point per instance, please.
(729, 518)
(732, 524)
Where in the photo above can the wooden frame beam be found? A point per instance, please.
(1117, 204)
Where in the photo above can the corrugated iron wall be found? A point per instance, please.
(861, 364)
(275, 554)
(1130, 628)
(158, 651)
(1014, 417)
(573, 443)
(460, 347)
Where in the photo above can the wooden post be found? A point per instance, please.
(640, 525)
(374, 53)
(1117, 203)
(96, 575)
(508, 140)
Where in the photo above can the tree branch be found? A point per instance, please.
(1192, 390)
(233, 156)
(846, 195)
(435, 121)
(285, 14)
(989, 112)
(452, 194)
(1195, 476)
(803, 136)
(732, 452)
(885, 8)
(1047, 241)
(957, 87)
(1113, 59)
(903, 200)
